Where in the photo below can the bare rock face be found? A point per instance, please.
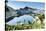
(10, 12)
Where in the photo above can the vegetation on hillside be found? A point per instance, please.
(33, 25)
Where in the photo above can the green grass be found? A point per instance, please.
(25, 26)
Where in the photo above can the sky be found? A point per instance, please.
(29, 0)
(21, 4)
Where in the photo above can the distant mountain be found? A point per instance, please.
(38, 11)
(25, 10)
(11, 13)
(28, 8)
(22, 11)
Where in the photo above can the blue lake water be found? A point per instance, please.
(22, 19)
